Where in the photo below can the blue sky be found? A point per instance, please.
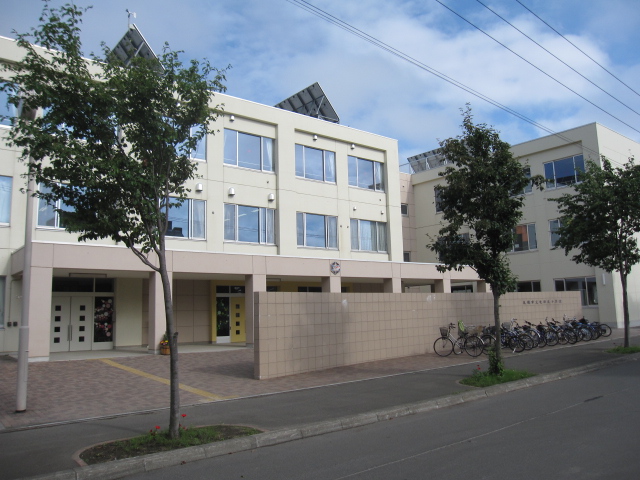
(276, 48)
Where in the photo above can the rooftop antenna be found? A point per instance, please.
(129, 15)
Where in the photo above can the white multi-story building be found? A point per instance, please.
(538, 266)
(284, 202)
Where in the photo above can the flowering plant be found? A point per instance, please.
(165, 341)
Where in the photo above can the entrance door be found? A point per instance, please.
(237, 329)
(81, 323)
(71, 323)
(222, 320)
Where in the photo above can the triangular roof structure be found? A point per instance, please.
(131, 45)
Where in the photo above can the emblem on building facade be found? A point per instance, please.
(335, 268)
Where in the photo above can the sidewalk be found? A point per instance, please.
(84, 402)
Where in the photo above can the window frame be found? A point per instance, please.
(263, 142)
(437, 200)
(5, 194)
(356, 168)
(357, 240)
(330, 241)
(553, 235)
(588, 297)
(7, 110)
(529, 237)
(533, 284)
(266, 228)
(201, 145)
(58, 224)
(191, 214)
(404, 209)
(552, 181)
(328, 166)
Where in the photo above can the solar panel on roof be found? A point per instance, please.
(312, 102)
(132, 45)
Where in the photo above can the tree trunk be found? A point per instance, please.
(495, 361)
(172, 335)
(625, 308)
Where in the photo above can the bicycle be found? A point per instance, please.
(447, 343)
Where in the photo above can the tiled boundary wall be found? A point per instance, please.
(303, 332)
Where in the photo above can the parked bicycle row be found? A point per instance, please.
(517, 338)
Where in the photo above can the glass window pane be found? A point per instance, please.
(565, 173)
(198, 222)
(533, 241)
(46, 212)
(178, 219)
(367, 235)
(313, 165)
(578, 162)
(355, 244)
(267, 154)
(5, 199)
(549, 175)
(592, 291)
(300, 228)
(2, 289)
(248, 151)
(230, 147)
(553, 230)
(315, 232)
(527, 173)
(559, 285)
(521, 240)
(199, 153)
(353, 171)
(248, 223)
(382, 237)
(379, 176)
(8, 111)
(332, 233)
(365, 174)
(329, 167)
(271, 231)
(230, 222)
(299, 160)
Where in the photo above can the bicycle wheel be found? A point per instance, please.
(572, 338)
(489, 341)
(606, 329)
(585, 334)
(516, 345)
(552, 338)
(473, 345)
(458, 346)
(563, 338)
(443, 346)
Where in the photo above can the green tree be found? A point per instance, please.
(601, 220)
(111, 141)
(481, 204)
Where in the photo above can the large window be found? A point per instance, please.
(187, 220)
(562, 173)
(5, 199)
(554, 225)
(249, 224)
(317, 230)
(200, 152)
(531, 286)
(525, 238)
(7, 112)
(368, 236)
(248, 151)
(586, 286)
(48, 214)
(437, 194)
(529, 187)
(366, 174)
(315, 164)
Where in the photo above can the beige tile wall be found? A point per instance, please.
(303, 332)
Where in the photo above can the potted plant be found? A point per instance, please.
(165, 349)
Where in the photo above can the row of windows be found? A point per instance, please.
(253, 225)
(585, 285)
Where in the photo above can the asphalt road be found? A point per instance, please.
(581, 427)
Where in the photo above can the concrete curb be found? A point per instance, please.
(146, 463)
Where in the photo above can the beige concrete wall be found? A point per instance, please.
(304, 332)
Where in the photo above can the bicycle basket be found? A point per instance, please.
(444, 331)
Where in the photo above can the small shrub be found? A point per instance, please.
(486, 379)
(624, 350)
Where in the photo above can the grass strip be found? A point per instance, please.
(158, 441)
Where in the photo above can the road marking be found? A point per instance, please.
(150, 376)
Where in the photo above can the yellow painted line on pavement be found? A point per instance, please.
(150, 376)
